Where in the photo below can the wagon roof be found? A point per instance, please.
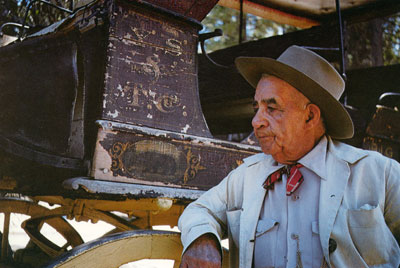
(307, 13)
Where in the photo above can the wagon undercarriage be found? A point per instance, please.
(101, 113)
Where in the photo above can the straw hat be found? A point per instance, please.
(313, 76)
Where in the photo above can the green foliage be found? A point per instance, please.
(228, 20)
(373, 43)
(391, 40)
(39, 15)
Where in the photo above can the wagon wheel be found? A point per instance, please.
(117, 249)
(120, 248)
(29, 208)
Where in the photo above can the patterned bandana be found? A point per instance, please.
(295, 178)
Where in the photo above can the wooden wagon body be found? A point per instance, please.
(102, 112)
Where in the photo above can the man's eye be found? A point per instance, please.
(271, 109)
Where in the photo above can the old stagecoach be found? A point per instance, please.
(102, 112)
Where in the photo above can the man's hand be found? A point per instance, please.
(204, 252)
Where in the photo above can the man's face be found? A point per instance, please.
(280, 119)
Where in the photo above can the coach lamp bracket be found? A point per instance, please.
(390, 100)
(203, 37)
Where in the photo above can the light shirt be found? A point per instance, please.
(287, 232)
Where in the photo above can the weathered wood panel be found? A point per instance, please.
(163, 160)
(383, 133)
(151, 74)
(37, 96)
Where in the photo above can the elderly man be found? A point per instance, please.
(308, 200)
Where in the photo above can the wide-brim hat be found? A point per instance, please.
(313, 76)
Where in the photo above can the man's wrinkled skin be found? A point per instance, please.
(203, 252)
(287, 126)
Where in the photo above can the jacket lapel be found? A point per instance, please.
(331, 195)
(338, 160)
(253, 198)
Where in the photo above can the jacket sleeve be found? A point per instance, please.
(208, 213)
(392, 200)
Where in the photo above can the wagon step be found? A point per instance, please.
(128, 189)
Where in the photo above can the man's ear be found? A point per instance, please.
(313, 114)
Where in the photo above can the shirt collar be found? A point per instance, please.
(315, 159)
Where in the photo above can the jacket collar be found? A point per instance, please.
(345, 152)
(341, 150)
(315, 160)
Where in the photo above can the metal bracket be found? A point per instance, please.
(390, 100)
(28, 8)
(11, 24)
(341, 45)
(203, 37)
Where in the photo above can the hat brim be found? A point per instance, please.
(337, 120)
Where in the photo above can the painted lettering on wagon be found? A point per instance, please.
(381, 146)
(138, 96)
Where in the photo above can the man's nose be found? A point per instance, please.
(259, 120)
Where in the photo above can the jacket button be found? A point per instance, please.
(332, 245)
(295, 197)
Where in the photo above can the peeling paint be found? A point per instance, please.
(140, 33)
(152, 66)
(113, 115)
(152, 93)
(127, 60)
(250, 141)
(158, 82)
(104, 101)
(108, 125)
(121, 90)
(185, 129)
(119, 188)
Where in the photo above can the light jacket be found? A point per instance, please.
(359, 208)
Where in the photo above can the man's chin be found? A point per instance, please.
(267, 149)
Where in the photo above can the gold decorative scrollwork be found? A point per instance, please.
(193, 166)
(116, 151)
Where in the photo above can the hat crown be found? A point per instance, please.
(315, 67)
(311, 75)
